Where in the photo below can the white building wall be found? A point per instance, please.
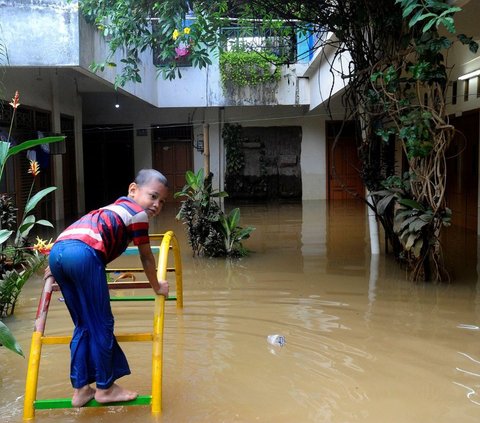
(323, 83)
(313, 159)
(53, 25)
(203, 88)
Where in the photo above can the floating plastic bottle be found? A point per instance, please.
(277, 340)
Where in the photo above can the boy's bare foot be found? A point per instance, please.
(82, 395)
(114, 394)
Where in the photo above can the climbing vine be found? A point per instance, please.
(235, 157)
(248, 68)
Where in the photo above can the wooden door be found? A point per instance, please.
(173, 158)
(344, 181)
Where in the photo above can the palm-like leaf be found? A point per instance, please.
(8, 340)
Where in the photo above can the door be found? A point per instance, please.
(173, 158)
(344, 181)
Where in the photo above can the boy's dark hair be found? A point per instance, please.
(146, 175)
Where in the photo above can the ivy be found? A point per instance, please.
(248, 68)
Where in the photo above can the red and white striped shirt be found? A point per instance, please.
(110, 229)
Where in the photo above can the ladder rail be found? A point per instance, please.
(168, 243)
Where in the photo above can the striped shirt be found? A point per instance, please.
(110, 229)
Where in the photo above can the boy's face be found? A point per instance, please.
(150, 196)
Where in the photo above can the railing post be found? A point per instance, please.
(36, 350)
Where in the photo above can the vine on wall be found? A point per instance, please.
(248, 68)
(235, 157)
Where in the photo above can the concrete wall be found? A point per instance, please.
(203, 88)
(53, 24)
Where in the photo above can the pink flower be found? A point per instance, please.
(182, 51)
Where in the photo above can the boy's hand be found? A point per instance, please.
(163, 288)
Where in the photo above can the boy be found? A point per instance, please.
(77, 262)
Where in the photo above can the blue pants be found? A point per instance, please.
(95, 353)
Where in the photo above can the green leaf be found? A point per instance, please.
(44, 222)
(234, 218)
(407, 222)
(26, 225)
(410, 241)
(37, 197)
(411, 204)
(32, 143)
(384, 202)
(448, 23)
(417, 247)
(8, 340)
(409, 9)
(415, 18)
(429, 25)
(191, 179)
(244, 233)
(4, 235)
(4, 147)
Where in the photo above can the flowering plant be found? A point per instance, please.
(43, 246)
(183, 42)
(18, 260)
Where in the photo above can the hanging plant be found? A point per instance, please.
(248, 68)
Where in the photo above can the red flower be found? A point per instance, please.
(34, 168)
(15, 100)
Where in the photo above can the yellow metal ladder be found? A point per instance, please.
(168, 243)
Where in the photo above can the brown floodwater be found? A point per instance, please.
(363, 344)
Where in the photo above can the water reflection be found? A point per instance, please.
(362, 343)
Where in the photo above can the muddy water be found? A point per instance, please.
(362, 343)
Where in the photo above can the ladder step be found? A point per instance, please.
(123, 337)
(146, 298)
(47, 404)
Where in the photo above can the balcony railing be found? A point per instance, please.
(289, 46)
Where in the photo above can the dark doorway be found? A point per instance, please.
(462, 171)
(272, 167)
(108, 162)
(67, 125)
(344, 180)
(462, 197)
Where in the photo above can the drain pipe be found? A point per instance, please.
(206, 149)
(373, 226)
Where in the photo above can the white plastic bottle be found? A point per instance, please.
(277, 340)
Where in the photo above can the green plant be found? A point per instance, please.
(413, 222)
(209, 231)
(234, 156)
(248, 68)
(233, 234)
(13, 280)
(199, 211)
